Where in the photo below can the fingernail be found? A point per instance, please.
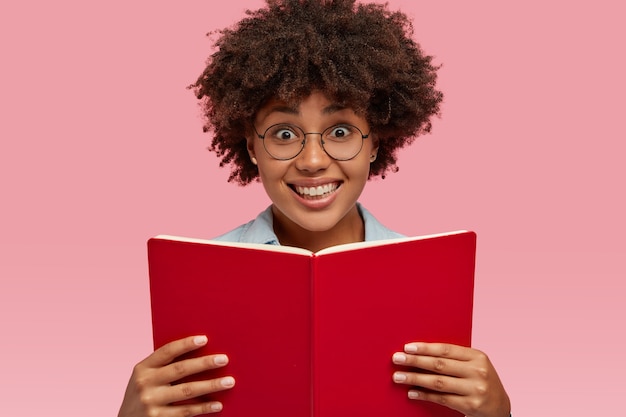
(200, 340)
(399, 377)
(414, 395)
(220, 360)
(228, 382)
(410, 348)
(399, 357)
(216, 407)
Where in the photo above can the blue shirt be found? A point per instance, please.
(261, 229)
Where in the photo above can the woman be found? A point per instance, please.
(313, 98)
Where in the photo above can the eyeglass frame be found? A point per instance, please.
(303, 143)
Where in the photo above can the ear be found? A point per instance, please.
(250, 147)
(374, 150)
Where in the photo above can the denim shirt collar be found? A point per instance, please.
(261, 229)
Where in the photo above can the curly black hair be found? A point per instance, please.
(361, 56)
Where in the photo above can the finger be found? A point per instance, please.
(180, 369)
(434, 382)
(190, 409)
(187, 390)
(170, 351)
(441, 350)
(456, 402)
(435, 364)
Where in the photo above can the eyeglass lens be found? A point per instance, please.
(340, 142)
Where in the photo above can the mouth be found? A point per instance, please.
(317, 192)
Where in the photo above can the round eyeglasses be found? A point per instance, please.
(285, 141)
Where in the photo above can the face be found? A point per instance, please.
(293, 185)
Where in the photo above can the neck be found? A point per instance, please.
(350, 229)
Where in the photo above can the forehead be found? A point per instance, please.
(315, 103)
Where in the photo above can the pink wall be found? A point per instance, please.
(102, 148)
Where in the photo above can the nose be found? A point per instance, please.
(313, 157)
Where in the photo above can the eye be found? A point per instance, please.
(283, 133)
(341, 132)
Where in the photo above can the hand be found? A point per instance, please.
(149, 392)
(462, 378)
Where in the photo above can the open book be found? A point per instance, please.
(312, 334)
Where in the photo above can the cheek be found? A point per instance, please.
(358, 171)
(270, 171)
(256, 147)
(263, 174)
(370, 148)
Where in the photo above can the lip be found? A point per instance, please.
(316, 202)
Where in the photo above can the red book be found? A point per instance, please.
(312, 334)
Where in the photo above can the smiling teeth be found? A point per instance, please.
(316, 191)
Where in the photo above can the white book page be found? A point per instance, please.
(300, 251)
(359, 245)
(258, 246)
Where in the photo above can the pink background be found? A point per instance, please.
(102, 148)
